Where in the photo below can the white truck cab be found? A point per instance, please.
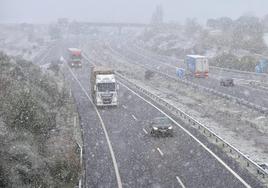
(104, 87)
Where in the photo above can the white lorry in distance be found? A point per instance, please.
(197, 65)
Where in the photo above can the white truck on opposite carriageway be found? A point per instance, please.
(197, 65)
(104, 86)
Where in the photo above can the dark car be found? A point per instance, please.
(227, 82)
(264, 166)
(161, 126)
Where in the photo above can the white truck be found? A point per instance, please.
(104, 88)
(197, 65)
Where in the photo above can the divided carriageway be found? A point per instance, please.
(119, 152)
(253, 91)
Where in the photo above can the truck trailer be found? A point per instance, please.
(74, 57)
(197, 65)
(104, 88)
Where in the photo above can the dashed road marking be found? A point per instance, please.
(180, 182)
(144, 130)
(70, 92)
(192, 136)
(161, 153)
(74, 121)
(134, 117)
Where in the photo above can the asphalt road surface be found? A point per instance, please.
(117, 139)
(255, 95)
(142, 160)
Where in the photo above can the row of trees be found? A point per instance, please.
(245, 32)
(226, 23)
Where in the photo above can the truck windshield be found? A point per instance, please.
(102, 87)
(75, 57)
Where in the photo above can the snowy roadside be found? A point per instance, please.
(245, 129)
(45, 145)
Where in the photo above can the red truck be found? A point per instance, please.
(75, 57)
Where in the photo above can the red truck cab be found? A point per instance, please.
(75, 57)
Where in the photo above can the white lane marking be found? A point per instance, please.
(74, 121)
(180, 182)
(144, 130)
(124, 106)
(118, 178)
(190, 134)
(81, 149)
(161, 153)
(80, 183)
(70, 92)
(134, 117)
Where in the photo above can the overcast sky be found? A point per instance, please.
(125, 10)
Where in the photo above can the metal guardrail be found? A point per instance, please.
(213, 91)
(245, 161)
(228, 148)
(220, 94)
(239, 71)
(215, 67)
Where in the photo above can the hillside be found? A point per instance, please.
(35, 112)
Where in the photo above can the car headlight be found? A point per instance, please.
(155, 128)
(170, 127)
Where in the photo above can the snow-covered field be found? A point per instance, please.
(16, 42)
